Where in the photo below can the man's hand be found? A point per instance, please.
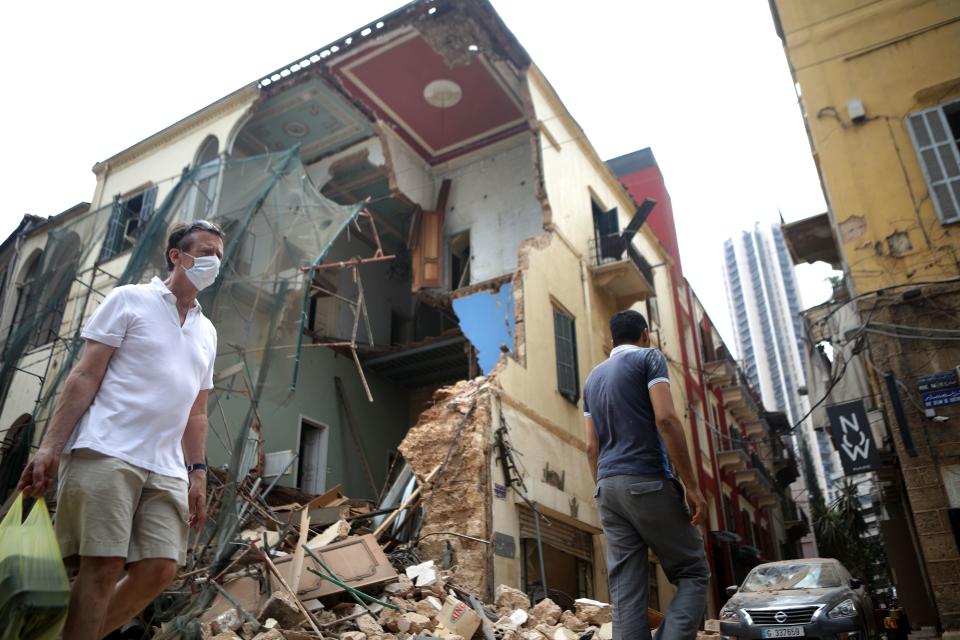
(197, 498)
(37, 478)
(697, 506)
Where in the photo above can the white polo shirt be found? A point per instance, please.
(141, 410)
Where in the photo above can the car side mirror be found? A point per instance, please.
(855, 584)
(732, 590)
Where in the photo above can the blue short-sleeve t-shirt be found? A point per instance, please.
(617, 397)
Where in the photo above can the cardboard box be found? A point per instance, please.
(457, 619)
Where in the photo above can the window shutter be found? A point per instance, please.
(568, 383)
(939, 158)
(428, 250)
(114, 232)
(146, 209)
(608, 228)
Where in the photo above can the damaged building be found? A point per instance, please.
(423, 251)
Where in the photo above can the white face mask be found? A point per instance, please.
(204, 271)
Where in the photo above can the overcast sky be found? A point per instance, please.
(705, 84)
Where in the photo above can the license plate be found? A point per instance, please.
(781, 632)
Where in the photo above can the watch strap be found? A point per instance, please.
(200, 466)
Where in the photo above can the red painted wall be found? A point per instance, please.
(648, 183)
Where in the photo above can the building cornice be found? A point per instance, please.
(179, 129)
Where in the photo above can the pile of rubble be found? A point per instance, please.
(438, 609)
(330, 567)
(277, 564)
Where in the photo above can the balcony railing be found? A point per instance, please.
(732, 460)
(753, 482)
(626, 275)
(720, 372)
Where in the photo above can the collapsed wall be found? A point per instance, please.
(456, 433)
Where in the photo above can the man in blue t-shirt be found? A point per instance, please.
(632, 434)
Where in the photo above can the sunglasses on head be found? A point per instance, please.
(203, 225)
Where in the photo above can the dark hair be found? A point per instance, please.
(627, 326)
(180, 233)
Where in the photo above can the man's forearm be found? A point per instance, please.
(195, 439)
(671, 430)
(592, 460)
(78, 394)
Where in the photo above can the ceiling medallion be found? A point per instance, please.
(443, 93)
(295, 129)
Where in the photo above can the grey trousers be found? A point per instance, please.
(641, 512)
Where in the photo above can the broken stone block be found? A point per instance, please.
(519, 617)
(572, 622)
(388, 619)
(229, 620)
(606, 631)
(353, 635)
(249, 629)
(562, 633)
(281, 607)
(510, 635)
(508, 599)
(269, 634)
(413, 623)
(592, 612)
(425, 608)
(368, 625)
(533, 635)
(712, 625)
(227, 635)
(403, 587)
(546, 611)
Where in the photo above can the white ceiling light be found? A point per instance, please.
(443, 93)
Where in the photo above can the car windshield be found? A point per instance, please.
(778, 577)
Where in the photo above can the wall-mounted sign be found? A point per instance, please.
(935, 399)
(937, 381)
(939, 389)
(852, 437)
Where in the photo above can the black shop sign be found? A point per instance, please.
(852, 437)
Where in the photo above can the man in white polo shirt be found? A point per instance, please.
(131, 428)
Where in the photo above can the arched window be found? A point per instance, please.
(206, 171)
(28, 286)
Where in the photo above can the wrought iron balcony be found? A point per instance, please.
(622, 272)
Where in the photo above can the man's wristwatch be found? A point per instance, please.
(196, 467)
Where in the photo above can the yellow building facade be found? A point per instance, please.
(879, 88)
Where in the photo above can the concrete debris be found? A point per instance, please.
(573, 622)
(281, 607)
(546, 612)
(359, 578)
(593, 612)
(509, 600)
(519, 617)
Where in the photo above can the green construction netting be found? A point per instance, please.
(277, 226)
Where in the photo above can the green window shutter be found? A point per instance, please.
(568, 376)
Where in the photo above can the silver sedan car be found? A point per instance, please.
(807, 598)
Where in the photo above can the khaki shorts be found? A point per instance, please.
(108, 507)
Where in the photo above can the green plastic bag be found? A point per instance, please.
(34, 591)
